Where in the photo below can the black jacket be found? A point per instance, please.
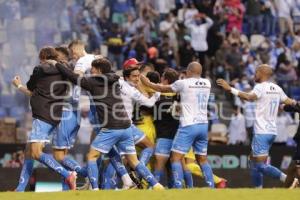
(105, 90)
(296, 108)
(46, 105)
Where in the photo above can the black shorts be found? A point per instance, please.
(296, 157)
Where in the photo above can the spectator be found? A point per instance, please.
(198, 27)
(269, 18)
(237, 128)
(234, 13)
(283, 120)
(234, 61)
(254, 16)
(249, 112)
(284, 9)
(186, 52)
(115, 43)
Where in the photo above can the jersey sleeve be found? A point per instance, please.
(143, 100)
(81, 65)
(177, 86)
(258, 90)
(283, 96)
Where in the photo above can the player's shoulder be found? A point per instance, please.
(271, 86)
(206, 81)
(86, 58)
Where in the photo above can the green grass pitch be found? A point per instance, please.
(197, 194)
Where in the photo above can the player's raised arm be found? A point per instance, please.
(18, 84)
(72, 76)
(156, 87)
(250, 96)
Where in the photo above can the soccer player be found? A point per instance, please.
(267, 96)
(131, 95)
(115, 124)
(83, 66)
(193, 130)
(294, 168)
(166, 123)
(46, 111)
(65, 135)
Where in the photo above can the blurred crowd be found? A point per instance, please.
(230, 38)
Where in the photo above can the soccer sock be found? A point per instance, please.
(177, 174)
(74, 166)
(256, 176)
(25, 175)
(93, 174)
(116, 161)
(208, 175)
(196, 170)
(50, 162)
(99, 162)
(146, 155)
(271, 171)
(188, 178)
(158, 174)
(65, 186)
(110, 178)
(143, 171)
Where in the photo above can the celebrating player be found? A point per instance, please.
(194, 93)
(267, 96)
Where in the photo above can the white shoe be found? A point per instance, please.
(294, 184)
(129, 187)
(86, 185)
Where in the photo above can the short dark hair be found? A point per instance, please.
(170, 75)
(103, 64)
(127, 72)
(144, 65)
(64, 50)
(154, 77)
(48, 53)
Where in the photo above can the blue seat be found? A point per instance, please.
(17, 112)
(3, 112)
(7, 101)
(295, 92)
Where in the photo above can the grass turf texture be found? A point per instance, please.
(199, 194)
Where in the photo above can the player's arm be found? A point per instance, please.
(18, 84)
(144, 100)
(247, 96)
(31, 84)
(156, 87)
(72, 76)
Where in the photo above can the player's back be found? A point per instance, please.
(84, 63)
(194, 95)
(269, 97)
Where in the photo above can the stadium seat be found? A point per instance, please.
(219, 128)
(7, 101)
(295, 92)
(3, 112)
(17, 112)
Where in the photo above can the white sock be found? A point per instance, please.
(127, 180)
(283, 177)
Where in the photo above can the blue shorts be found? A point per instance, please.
(121, 138)
(261, 144)
(191, 136)
(67, 130)
(41, 131)
(163, 147)
(93, 117)
(138, 135)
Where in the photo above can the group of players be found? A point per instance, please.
(65, 71)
